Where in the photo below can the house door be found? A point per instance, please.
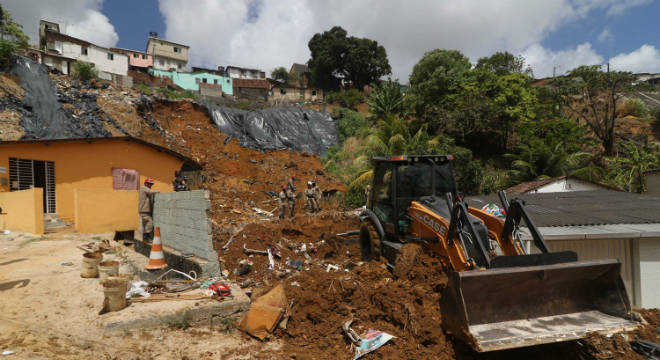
(27, 174)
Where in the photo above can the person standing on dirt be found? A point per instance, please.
(290, 184)
(317, 195)
(282, 201)
(291, 199)
(146, 208)
(312, 204)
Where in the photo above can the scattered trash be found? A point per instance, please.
(349, 233)
(262, 212)
(246, 283)
(68, 263)
(296, 264)
(265, 313)
(220, 289)
(493, 209)
(187, 255)
(367, 342)
(244, 267)
(252, 251)
(271, 262)
(295, 283)
(137, 289)
(6, 232)
(331, 267)
(8, 352)
(649, 349)
(231, 239)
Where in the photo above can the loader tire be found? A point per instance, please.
(405, 260)
(369, 242)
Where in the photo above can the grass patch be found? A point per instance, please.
(227, 325)
(144, 88)
(177, 94)
(178, 321)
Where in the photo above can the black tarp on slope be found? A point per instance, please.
(44, 117)
(278, 128)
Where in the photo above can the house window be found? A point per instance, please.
(180, 67)
(313, 92)
(215, 81)
(197, 81)
(144, 57)
(204, 80)
(27, 174)
(227, 81)
(111, 56)
(137, 56)
(83, 51)
(177, 49)
(161, 62)
(282, 91)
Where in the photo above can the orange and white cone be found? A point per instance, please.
(156, 257)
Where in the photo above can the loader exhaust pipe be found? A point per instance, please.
(504, 308)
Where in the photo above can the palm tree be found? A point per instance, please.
(628, 171)
(539, 161)
(387, 99)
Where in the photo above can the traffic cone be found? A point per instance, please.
(156, 257)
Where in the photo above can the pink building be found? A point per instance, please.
(137, 59)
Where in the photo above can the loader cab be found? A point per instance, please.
(399, 180)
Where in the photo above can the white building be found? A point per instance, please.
(56, 45)
(600, 225)
(558, 184)
(236, 72)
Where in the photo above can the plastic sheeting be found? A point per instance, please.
(43, 115)
(278, 128)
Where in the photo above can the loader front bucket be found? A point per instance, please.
(506, 308)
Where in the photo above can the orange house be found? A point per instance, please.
(90, 182)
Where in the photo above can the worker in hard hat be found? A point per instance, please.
(282, 201)
(317, 195)
(310, 196)
(291, 198)
(146, 209)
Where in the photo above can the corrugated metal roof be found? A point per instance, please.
(618, 231)
(599, 207)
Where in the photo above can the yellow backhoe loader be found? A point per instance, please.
(502, 292)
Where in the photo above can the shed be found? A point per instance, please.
(92, 182)
(601, 224)
(557, 184)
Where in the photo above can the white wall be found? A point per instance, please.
(647, 271)
(601, 249)
(566, 185)
(246, 74)
(96, 55)
(168, 64)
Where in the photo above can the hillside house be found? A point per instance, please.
(236, 72)
(601, 224)
(137, 60)
(90, 182)
(192, 80)
(298, 89)
(246, 89)
(167, 55)
(61, 51)
(556, 184)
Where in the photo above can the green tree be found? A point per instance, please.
(503, 63)
(280, 74)
(12, 37)
(591, 95)
(435, 78)
(628, 170)
(387, 98)
(335, 55)
(539, 161)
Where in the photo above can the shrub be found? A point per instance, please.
(350, 123)
(7, 49)
(144, 88)
(634, 107)
(656, 114)
(84, 71)
(350, 98)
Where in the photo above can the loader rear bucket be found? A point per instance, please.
(506, 308)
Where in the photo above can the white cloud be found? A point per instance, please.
(644, 59)
(543, 60)
(79, 18)
(605, 36)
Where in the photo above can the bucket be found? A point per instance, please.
(89, 267)
(108, 268)
(128, 278)
(114, 289)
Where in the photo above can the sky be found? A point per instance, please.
(553, 36)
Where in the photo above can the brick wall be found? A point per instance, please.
(149, 80)
(183, 222)
(210, 90)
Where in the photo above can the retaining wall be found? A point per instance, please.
(23, 210)
(183, 222)
(105, 210)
